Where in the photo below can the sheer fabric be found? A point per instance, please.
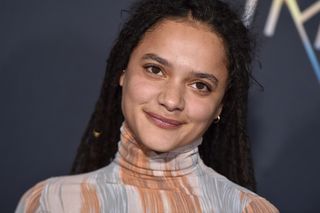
(139, 180)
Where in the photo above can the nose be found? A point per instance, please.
(172, 97)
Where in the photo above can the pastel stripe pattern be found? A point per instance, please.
(139, 180)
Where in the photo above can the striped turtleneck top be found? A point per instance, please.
(140, 180)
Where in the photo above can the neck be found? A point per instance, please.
(137, 159)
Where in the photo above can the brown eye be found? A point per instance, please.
(202, 87)
(154, 70)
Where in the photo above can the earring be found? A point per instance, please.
(96, 134)
(217, 119)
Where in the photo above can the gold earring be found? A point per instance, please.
(96, 134)
(217, 119)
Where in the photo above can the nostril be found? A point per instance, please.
(172, 100)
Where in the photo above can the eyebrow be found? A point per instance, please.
(205, 75)
(157, 58)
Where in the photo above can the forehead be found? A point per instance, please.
(184, 42)
(184, 30)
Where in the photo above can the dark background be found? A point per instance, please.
(52, 60)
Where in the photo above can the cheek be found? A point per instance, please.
(200, 110)
(139, 91)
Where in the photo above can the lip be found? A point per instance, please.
(163, 122)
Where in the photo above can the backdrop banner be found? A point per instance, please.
(52, 62)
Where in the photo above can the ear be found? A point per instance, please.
(122, 77)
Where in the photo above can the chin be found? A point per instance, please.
(160, 146)
(161, 150)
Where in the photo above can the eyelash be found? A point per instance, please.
(150, 66)
(207, 89)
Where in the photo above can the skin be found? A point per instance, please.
(173, 86)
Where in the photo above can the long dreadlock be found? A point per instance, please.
(225, 146)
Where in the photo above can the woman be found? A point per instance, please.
(177, 77)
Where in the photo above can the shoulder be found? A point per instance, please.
(30, 201)
(233, 196)
(57, 193)
(257, 204)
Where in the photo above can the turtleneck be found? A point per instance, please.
(141, 180)
(141, 161)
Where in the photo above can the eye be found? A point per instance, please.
(154, 70)
(202, 87)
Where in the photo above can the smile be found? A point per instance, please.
(163, 122)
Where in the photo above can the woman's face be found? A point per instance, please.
(174, 84)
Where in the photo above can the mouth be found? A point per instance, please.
(162, 122)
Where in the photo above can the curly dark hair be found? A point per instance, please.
(225, 146)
